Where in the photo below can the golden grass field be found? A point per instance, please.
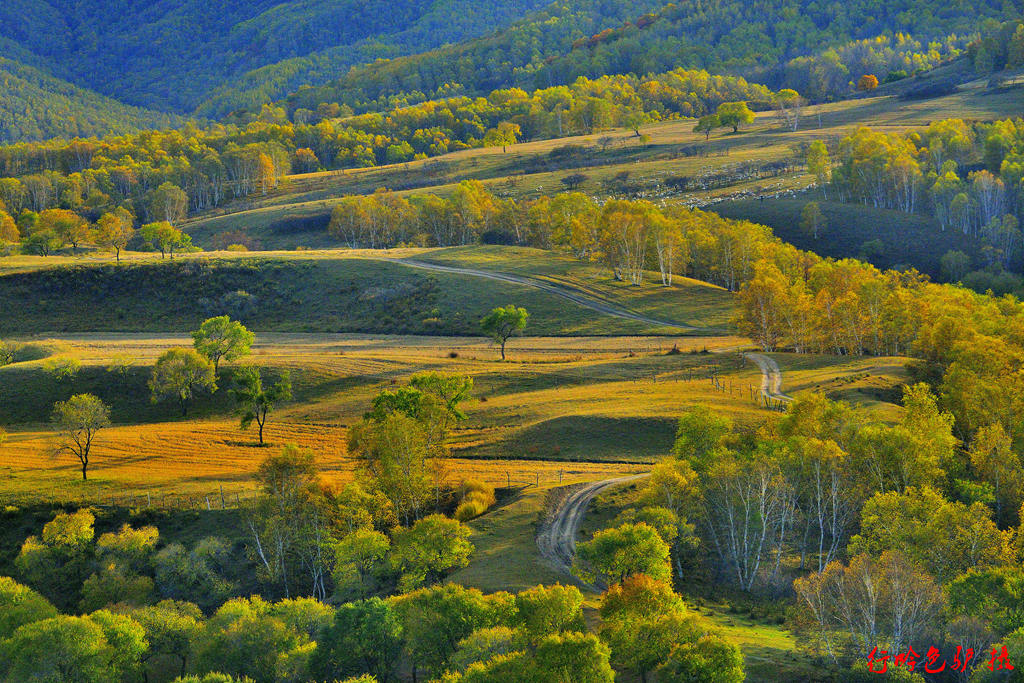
(560, 410)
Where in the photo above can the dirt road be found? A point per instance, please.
(557, 539)
(565, 291)
(771, 376)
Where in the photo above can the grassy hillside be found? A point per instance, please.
(319, 292)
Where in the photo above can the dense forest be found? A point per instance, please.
(35, 106)
(174, 56)
(777, 43)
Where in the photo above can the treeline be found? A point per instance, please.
(35, 106)
(224, 162)
(774, 42)
(969, 176)
(1000, 46)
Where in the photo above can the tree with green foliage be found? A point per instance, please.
(700, 436)
(41, 242)
(172, 631)
(394, 455)
(165, 237)
(364, 637)
(643, 643)
(245, 638)
(436, 619)
(195, 574)
(706, 124)
(545, 610)
(253, 401)
(57, 561)
(502, 323)
(734, 114)
(356, 557)
(98, 648)
(179, 373)
(78, 420)
(812, 220)
(168, 203)
(819, 164)
(614, 554)
(20, 605)
(430, 548)
(222, 338)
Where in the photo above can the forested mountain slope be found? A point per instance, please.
(35, 106)
(171, 54)
(815, 47)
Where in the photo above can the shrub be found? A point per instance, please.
(469, 510)
(62, 368)
(237, 247)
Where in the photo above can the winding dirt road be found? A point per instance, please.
(771, 376)
(557, 538)
(565, 291)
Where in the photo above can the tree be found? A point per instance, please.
(819, 164)
(78, 421)
(253, 401)
(196, 574)
(172, 628)
(867, 82)
(222, 338)
(544, 610)
(393, 453)
(506, 133)
(20, 605)
(711, 659)
(790, 105)
(165, 237)
(436, 619)
(612, 555)
(955, 264)
(68, 226)
(114, 231)
(700, 436)
(178, 374)
(168, 203)
(89, 649)
(57, 561)
(992, 457)
(574, 180)
(9, 233)
(433, 546)
(734, 114)
(646, 642)
(364, 637)
(706, 124)
(812, 220)
(356, 556)
(501, 324)
(42, 242)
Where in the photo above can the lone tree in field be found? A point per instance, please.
(165, 237)
(255, 402)
(114, 231)
(706, 124)
(812, 220)
(222, 338)
(734, 114)
(78, 420)
(179, 373)
(503, 323)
